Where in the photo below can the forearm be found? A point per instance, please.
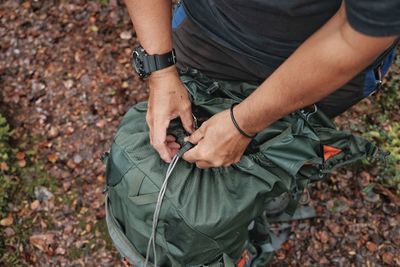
(321, 65)
(152, 22)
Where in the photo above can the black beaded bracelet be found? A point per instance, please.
(237, 125)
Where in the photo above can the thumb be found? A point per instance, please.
(195, 137)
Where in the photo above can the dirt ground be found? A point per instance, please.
(66, 82)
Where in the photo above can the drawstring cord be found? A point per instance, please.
(152, 244)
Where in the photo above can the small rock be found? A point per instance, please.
(42, 193)
(126, 35)
(9, 232)
(77, 158)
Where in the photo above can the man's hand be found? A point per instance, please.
(168, 100)
(219, 143)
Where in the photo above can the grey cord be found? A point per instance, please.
(156, 214)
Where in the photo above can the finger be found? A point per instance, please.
(195, 137)
(170, 138)
(202, 164)
(187, 120)
(192, 155)
(174, 151)
(173, 145)
(159, 140)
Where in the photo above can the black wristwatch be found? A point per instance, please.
(144, 64)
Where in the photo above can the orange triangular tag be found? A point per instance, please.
(330, 151)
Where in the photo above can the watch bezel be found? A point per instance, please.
(138, 62)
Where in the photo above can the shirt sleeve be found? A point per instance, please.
(374, 17)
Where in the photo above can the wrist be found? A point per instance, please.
(166, 72)
(244, 121)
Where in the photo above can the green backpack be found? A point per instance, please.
(205, 214)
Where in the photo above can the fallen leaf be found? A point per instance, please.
(322, 236)
(22, 163)
(53, 132)
(60, 251)
(387, 258)
(35, 205)
(52, 158)
(7, 221)
(42, 241)
(101, 123)
(9, 232)
(372, 246)
(4, 166)
(20, 155)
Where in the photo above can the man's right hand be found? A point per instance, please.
(168, 100)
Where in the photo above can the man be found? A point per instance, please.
(299, 52)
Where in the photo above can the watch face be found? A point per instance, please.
(137, 62)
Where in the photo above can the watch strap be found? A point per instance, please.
(157, 62)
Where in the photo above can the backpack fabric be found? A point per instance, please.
(206, 213)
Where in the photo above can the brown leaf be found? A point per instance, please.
(7, 221)
(35, 205)
(322, 236)
(101, 123)
(20, 155)
(4, 166)
(60, 251)
(52, 158)
(8, 232)
(387, 258)
(53, 132)
(372, 246)
(42, 241)
(22, 163)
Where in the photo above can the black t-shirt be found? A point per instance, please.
(249, 39)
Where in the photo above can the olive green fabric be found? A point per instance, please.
(206, 213)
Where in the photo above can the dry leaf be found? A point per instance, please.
(22, 163)
(52, 158)
(20, 155)
(35, 205)
(4, 166)
(7, 221)
(42, 241)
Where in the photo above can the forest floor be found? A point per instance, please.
(66, 82)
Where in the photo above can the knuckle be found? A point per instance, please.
(201, 166)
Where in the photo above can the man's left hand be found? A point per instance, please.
(218, 143)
